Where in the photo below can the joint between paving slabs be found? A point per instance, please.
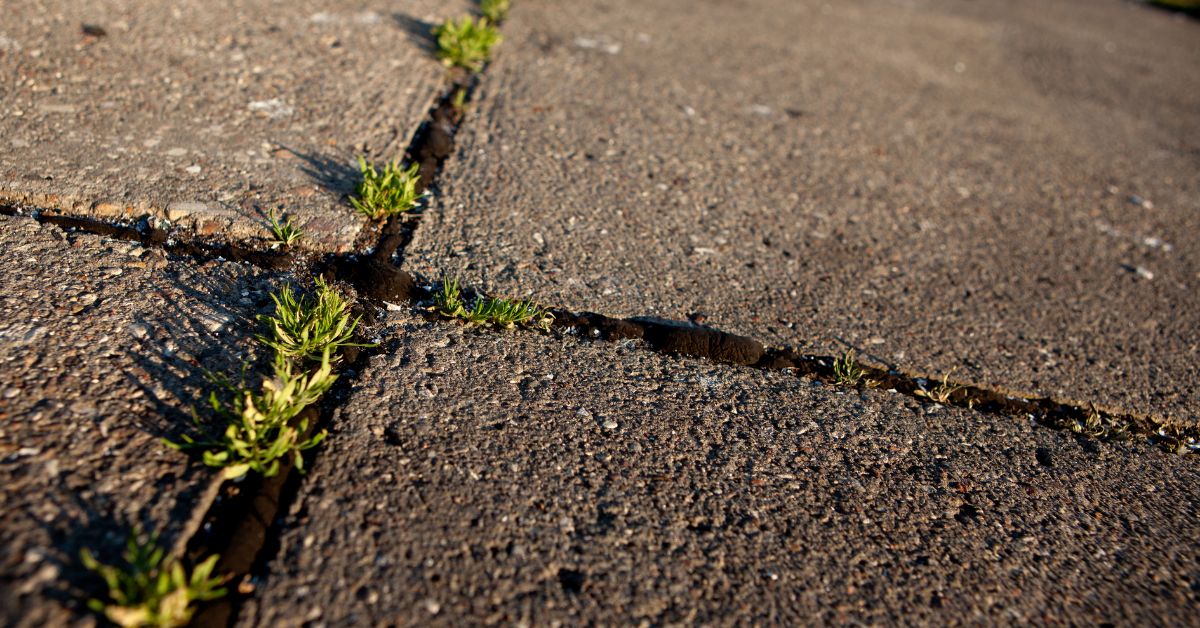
(689, 339)
(250, 540)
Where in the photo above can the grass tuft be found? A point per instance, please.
(942, 392)
(466, 43)
(148, 591)
(489, 311)
(284, 234)
(495, 11)
(305, 328)
(845, 371)
(381, 195)
(258, 434)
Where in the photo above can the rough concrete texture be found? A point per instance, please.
(102, 345)
(210, 116)
(941, 185)
(526, 480)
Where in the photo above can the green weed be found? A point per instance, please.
(494, 10)
(284, 234)
(258, 434)
(148, 591)
(466, 43)
(488, 311)
(381, 195)
(305, 328)
(845, 371)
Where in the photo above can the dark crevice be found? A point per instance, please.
(680, 338)
(160, 238)
(243, 526)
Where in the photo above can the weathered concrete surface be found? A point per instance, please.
(102, 345)
(209, 115)
(476, 480)
(939, 184)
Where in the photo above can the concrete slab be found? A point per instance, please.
(521, 479)
(103, 346)
(944, 186)
(210, 115)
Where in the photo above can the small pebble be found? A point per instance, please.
(215, 322)
(111, 271)
(155, 260)
(84, 408)
(583, 412)
(87, 299)
(9, 393)
(610, 424)
(139, 330)
(137, 251)
(432, 606)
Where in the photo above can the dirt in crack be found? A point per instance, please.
(160, 238)
(242, 526)
(679, 338)
(377, 276)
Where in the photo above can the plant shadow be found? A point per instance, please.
(336, 175)
(419, 32)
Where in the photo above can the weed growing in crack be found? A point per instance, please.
(284, 234)
(845, 371)
(494, 10)
(941, 393)
(150, 591)
(449, 300)
(1096, 426)
(488, 311)
(259, 433)
(306, 328)
(381, 195)
(466, 43)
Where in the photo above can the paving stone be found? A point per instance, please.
(211, 116)
(831, 179)
(461, 486)
(98, 368)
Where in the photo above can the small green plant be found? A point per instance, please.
(258, 434)
(384, 194)
(466, 43)
(460, 98)
(942, 392)
(284, 234)
(306, 327)
(449, 300)
(150, 591)
(489, 311)
(494, 10)
(845, 371)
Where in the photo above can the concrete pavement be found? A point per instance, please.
(210, 117)
(526, 480)
(940, 185)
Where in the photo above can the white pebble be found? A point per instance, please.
(215, 322)
(610, 424)
(139, 330)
